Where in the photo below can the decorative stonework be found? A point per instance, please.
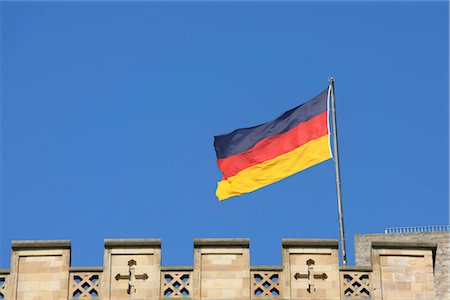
(266, 284)
(355, 284)
(176, 284)
(132, 269)
(311, 276)
(2, 285)
(311, 268)
(131, 276)
(84, 285)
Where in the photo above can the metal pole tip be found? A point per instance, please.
(331, 79)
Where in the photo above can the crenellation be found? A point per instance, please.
(221, 270)
(312, 268)
(440, 253)
(39, 270)
(132, 269)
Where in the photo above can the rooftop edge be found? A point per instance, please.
(403, 245)
(38, 244)
(109, 243)
(222, 242)
(310, 243)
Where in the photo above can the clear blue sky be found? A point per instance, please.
(108, 112)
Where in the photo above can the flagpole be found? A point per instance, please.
(338, 173)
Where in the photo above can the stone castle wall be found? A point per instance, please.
(363, 244)
(221, 270)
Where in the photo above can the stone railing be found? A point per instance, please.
(355, 282)
(3, 281)
(84, 282)
(176, 282)
(265, 282)
(433, 228)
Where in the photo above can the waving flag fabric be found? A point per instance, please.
(251, 158)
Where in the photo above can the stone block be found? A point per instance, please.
(221, 269)
(397, 267)
(39, 270)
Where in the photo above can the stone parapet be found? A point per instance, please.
(221, 270)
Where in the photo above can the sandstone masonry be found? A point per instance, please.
(363, 243)
(386, 269)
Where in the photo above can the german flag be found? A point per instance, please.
(251, 158)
